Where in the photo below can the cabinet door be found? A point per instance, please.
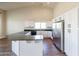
(67, 21)
(15, 47)
(44, 33)
(66, 43)
(38, 32)
(73, 21)
(71, 45)
(67, 34)
(31, 48)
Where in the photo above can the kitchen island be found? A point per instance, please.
(27, 45)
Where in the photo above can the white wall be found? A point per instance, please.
(62, 7)
(2, 23)
(16, 19)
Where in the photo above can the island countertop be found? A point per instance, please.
(23, 36)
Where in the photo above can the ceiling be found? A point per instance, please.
(14, 5)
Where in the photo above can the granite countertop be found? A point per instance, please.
(21, 36)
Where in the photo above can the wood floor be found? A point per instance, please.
(49, 48)
(5, 47)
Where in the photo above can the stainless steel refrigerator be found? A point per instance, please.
(58, 35)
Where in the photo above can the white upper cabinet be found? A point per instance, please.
(59, 18)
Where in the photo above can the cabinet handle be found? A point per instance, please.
(69, 30)
(69, 25)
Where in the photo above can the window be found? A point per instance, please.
(37, 25)
(0, 24)
(40, 25)
(43, 25)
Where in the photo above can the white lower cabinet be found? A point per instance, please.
(71, 43)
(28, 48)
(45, 33)
(31, 48)
(38, 32)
